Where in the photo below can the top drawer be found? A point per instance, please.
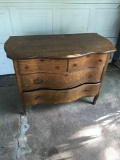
(94, 60)
(42, 65)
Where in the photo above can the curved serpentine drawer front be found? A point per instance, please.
(60, 81)
(58, 68)
(94, 60)
(42, 65)
(61, 66)
(60, 96)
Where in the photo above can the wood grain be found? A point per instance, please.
(58, 68)
(60, 81)
(60, 96)
(95, 60)
(17, 74)
(42, 65)
(57, 46)
(102, 76)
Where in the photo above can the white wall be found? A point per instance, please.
(56, 18)
(63, 1)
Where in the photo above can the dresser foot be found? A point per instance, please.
(95, 99)
(23, 110)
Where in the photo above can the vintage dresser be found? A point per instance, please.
(58, 68)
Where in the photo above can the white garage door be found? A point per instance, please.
(53, 17)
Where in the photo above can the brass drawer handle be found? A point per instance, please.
(39, 96)
(86, 90)
(38, 81)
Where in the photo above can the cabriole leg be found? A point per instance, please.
(19, 84)
(95, 99)
(24, 109)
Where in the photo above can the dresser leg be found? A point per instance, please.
(95, 99)
(24, 109)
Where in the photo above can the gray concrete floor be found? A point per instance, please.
(73, 131)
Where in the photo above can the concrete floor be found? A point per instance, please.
(73, 131)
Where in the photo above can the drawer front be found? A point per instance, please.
(60, 81)
(60, 96)
(94, 60)
(42, 65)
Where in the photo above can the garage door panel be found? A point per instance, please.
(107, 22)
(73, 20)
(33, 21)
(5, 25)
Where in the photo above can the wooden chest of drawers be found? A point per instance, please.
(58, 68)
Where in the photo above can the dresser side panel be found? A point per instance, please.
(17, 74)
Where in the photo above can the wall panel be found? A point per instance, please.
(56, 17)
(5, 25)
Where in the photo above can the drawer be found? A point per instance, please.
(60, 96)
(42, 65)
(60, 81)
(94, 60)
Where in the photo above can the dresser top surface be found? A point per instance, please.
(56, 46)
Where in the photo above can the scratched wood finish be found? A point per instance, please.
(60, 81)
(94, 60)
(57, 46)
(60, 96)
(42, 65)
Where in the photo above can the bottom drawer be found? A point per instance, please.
(60, 96)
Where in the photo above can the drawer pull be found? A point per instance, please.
(42, 60)
(86, 90)
(75, 65)
(58, 67)
(100, 60)
(26, 67)
(38, 81)
(90, 75)
(88, 56)
(39, 96)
